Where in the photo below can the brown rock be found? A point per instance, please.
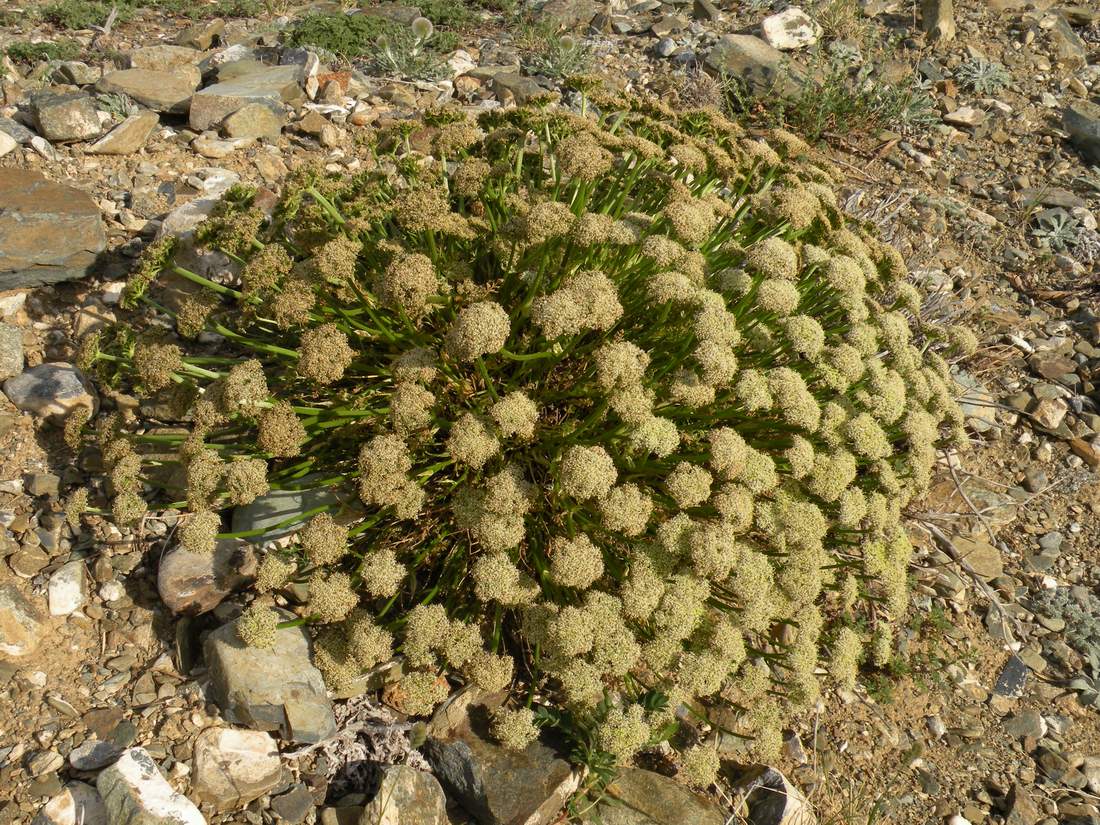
(233, 767)
(192, 583)
(983, 558)
(168, 91)
(128, 137)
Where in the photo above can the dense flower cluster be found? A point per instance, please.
(614, 406)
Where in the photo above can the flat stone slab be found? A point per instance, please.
(270, 689)
(48, 232)
(212, 105)
(168, 91)
(128, 137)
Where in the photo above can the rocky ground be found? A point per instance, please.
(970, 141)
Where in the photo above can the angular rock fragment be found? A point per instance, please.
(135, 793)
(270, 689)
(48, 232)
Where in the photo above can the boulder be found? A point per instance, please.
(194, 583)
(49, 232)
(230, 768)
(273, 84)
(128, 137)
(77, 804)
(134, 792)
(21, 625)
(51, 391)
(760, 67)
(270, 689)
(65, 116)
(406, 796)
(161, 91)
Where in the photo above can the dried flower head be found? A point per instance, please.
(324, 354)
(258, 626)
(480, 329)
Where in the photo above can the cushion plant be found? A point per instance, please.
(619, 414)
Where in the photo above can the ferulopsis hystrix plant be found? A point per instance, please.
(615, 408)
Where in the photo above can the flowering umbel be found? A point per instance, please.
(608, 413)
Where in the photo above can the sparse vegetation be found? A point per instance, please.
(982, 76)
(27, 52)
(392, 47)
(835, 99)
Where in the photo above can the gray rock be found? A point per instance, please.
(135, 793)
(752, 61)
(790, 29)
(16, 130)
(77, 804)
(256, 120)
(1012, 678)
(770, 798)
(640, 797)
(128, 137)
(519, 87)
(295, 805)
(497, 786)
(68, 588)
(270, 689)
(274, 84)
(21, 625)
(51, 391)
(93, 755)
(1026, 724)
(48, 232)
(194, 583)
(161, 91)
(65, 116)
(230, 768)
(406, 796)
(277, 506)
(665, 47)
(11, 351)
(1082, 120)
